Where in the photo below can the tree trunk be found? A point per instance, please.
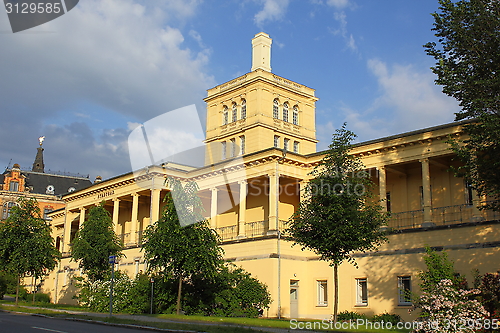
(336, 298)
(33, 281)
(179, 296)
(17, 289)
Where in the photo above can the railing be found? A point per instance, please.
(228, 233)
(406, 220)
(447, 215)
(255, 229)
(452, 214)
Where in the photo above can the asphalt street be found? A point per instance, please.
(20, 323)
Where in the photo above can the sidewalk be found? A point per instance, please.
(149, 319)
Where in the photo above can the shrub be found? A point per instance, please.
(394, 319)
(350, 315)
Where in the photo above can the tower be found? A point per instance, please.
(260, 110)
(38, 165)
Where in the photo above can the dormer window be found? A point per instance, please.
(225, 115)
(295, 115)
(243, 109)
(235, 113)
(285, 112)
(275, 109)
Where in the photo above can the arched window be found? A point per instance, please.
(225, 116)
(243, 109)
(6, 209)
(285, 112)
(295, 115)
(235, 113)
(275, 109)
(242, 145)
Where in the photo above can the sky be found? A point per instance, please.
(86, 79)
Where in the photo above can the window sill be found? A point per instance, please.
(321, 305)
(362, 305)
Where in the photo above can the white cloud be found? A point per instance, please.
(341, 18)
(273, 10)
(119, 55)
(408, 100)
(339, 4)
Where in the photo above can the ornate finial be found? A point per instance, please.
(40, 139)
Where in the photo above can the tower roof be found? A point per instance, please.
(38, 165)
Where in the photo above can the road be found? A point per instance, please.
(20, 323)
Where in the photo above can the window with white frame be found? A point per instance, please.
(6, 209)
(14, 186)
(235, 113)
(295, 116)
(233, 147)
(296, 147)
(243, 109)
(275, 109)
(276, 141)
(285, 143)
(285, 112)
(224, 149)
(242, 145)
(322, 286)
(404, 290)
(361, 292)
(225, 115)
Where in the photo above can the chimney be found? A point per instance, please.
(261, 52)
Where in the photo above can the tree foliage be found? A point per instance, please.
(468, 66)
(338, 216)
(439, 268)
(26, 245)
(95, 242)
(182, 251)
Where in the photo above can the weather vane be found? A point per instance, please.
(40, 139)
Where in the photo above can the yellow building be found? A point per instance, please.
(261, 147)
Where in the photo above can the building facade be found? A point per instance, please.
(261, 148)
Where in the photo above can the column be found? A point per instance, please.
(426, 185)
(273, 203)
(382, 180)
(116, 214)
(155, 205)
(82, 218)
(213, 208)
(302, 190)
(243, 209)
(134, 218)
(67, 230)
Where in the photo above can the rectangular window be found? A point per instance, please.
(242, 145)
(322, 292)
(14, 186)
(276, 141)
(285, 114)
(404, 290)
(235, 113)
(275, 109)
(243, 109)
(361, 292)
(233, 147)
(388, 201)
(468, 194)
(224, 151)
(296, 147)
(285, 144)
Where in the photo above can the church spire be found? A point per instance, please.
(38, 165)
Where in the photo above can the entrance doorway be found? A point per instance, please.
(294, 298)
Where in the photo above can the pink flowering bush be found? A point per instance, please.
(447, 309)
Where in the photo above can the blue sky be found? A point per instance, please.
(86, 79)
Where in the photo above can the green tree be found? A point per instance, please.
(467, 66)
(95, 242)
(182, 251)
(439, 268)
(338, 216)
(26, 245)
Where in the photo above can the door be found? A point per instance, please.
(294, 298)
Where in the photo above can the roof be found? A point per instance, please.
(43, 183)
